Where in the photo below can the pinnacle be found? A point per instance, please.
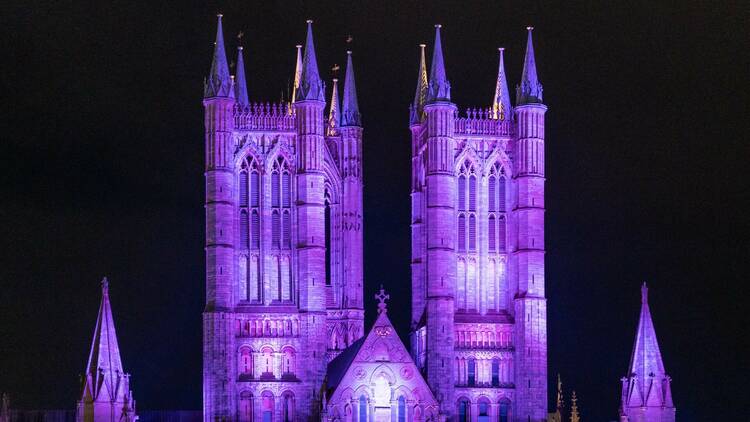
(218, 83)
(350, 115)
(439, 87)
(310, 86)
(529, 91)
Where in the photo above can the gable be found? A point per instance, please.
(377, 366)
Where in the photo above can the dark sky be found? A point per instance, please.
(102, 174)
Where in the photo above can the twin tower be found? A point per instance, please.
(284, 237)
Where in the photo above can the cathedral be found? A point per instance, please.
(283, 324)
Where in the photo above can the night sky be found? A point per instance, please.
(647, 180)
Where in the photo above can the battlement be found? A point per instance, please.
(479, 122)
(265, 116)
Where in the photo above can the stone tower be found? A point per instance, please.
(647, 390)
(106, 394)
(283, 241)
(478, 304)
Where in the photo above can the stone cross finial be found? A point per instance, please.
(382, 297)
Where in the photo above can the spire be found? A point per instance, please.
(350, 111)
(420, 95)
(647, 384)
(334, 118)
(297, 73)
(310, 86)
(530, 90)
(646, 359)
(559, 404)
(104, 358)
(501, 101)
(440, 88)
(240, 86)
(218, 83)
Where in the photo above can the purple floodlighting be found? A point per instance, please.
(647, 390)
(106, 394)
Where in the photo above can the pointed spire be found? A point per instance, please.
(501, 101)
(649, 385)
(350, 111)
(440, 88)
(218, 83)
(530, 90)
(310, 86)
(104, 358)
(297, 73)
(240, 86)
(420, 95)
(334, 117)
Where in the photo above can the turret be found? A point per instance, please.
(218, 106)
(311, 261)
(440, 213)
(646, 390)
(530, 304)
(106, 394)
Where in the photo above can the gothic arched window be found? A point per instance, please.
(281, 202)
(467, 207)
(249, 203)
(496, 186)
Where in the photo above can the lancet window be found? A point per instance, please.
(281, 202)
(467, 208)
(249, 226)
(496, 208)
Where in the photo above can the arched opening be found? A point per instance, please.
(463, 411)
(362, 408)
(289, 364)
(472, 372)
(401, 409)
(246, 407)
(246, 362)
(503, 411)
(483, 410)
(288, 407)
(495, 372)
(267, 406)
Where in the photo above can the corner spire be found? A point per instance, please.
(297, 73)
(105, 382)
(420, 95)
(647, 384)
(310, 86)
(440, 88)
(240, 85)
(218, 83)
(529, 91)
(501, 101)
(350, 111)
(334, 118)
